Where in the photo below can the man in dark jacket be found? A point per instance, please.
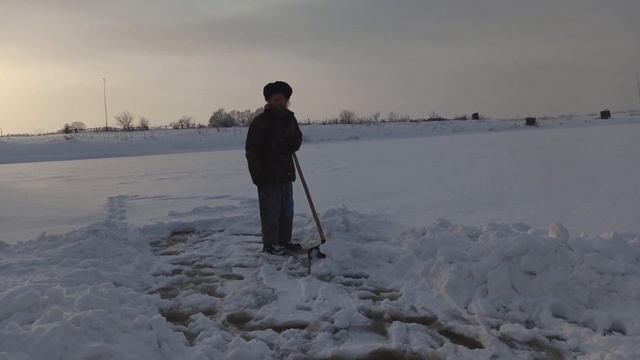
(273, 137)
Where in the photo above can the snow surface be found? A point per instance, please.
(124, 144)
(162, 258)
(201, 289)
(585, 177)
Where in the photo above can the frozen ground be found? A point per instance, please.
(163, 260)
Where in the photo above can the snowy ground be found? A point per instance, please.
(155, 142)
(163, 259)
(585, 177)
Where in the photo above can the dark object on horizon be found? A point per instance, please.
(475, 116)
(531, 121)
(436, 118)
(605, 114)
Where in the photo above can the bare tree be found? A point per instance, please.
(185, 122)
(144, 123)
(375, 117)
(221, 118)
(392, 117)
(74, 127)
(78, 126)
(125, 120)
(347, 117)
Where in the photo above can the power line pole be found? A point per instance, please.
(638, 79)
(106, 123)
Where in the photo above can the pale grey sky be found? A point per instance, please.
(163, 59)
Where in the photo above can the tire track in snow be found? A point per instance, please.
(117, 208)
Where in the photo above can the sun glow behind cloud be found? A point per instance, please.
(163, 59)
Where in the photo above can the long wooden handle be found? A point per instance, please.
(306, 191)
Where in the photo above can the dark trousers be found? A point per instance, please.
(276, 213)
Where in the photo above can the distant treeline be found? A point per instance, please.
(221, 118)
(126, 121)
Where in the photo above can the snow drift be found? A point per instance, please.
(201, 289)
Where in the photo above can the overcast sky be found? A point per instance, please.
(163, 59)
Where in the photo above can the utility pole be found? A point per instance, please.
(638, 79)
(106, 123)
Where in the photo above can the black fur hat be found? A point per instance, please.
(278, 87)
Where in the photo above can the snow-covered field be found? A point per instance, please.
(158, 256)
(156, 142)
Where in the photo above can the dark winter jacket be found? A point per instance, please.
(271, 141)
